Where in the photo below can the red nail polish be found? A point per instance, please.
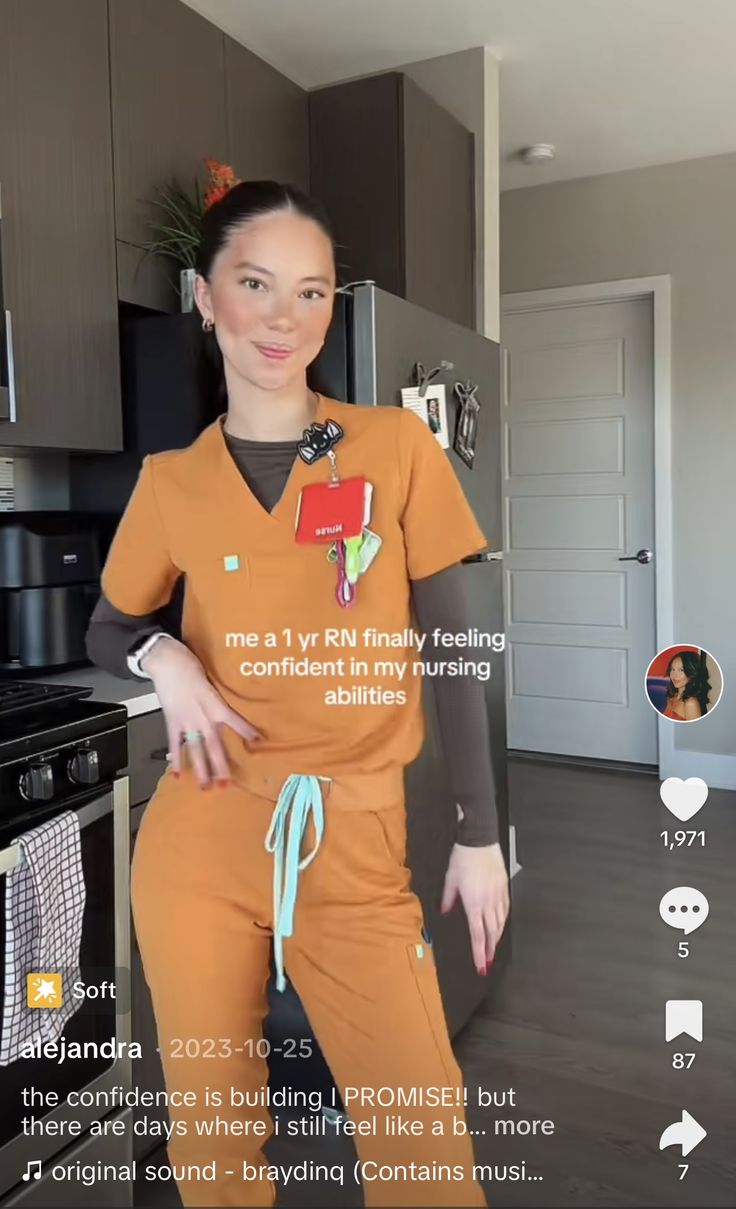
(223, 782)
(175, 773)
(205, 786)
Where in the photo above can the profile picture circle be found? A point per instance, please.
(684, 683)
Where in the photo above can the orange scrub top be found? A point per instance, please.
(192, 513)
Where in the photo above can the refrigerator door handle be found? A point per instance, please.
(485, 556)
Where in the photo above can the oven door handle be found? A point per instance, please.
(10, 857)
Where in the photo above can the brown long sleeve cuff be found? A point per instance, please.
(111, 634)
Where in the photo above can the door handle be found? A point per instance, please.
(485, 556)
(641, 556)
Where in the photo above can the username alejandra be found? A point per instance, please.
(63, 1050)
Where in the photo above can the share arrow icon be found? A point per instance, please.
(686, 1133)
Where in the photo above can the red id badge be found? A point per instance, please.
(333, 511)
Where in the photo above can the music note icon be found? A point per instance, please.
(36, 1175)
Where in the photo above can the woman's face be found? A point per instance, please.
(677, 673)
(271, 287)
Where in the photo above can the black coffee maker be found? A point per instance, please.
(49, 584)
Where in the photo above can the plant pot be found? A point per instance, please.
(187, 278)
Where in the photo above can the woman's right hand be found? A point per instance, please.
(190, 702)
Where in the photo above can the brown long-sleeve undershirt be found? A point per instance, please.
(440, 603)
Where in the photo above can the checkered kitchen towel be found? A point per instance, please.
(44, 911)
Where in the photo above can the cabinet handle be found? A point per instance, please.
(13, 416)
(9, 357)
(159, 753)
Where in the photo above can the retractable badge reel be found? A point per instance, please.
(337, 512)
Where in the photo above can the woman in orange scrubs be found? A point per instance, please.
(303, 842)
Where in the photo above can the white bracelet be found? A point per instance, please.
(134, 659)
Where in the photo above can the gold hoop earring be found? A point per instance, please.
(207, 325)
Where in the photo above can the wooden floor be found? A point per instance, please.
(576, 1026)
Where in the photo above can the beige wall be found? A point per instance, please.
(678, 219)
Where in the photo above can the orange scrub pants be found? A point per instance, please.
(203, 905)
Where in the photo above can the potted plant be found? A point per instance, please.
(177, 235)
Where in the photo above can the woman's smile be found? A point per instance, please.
(275, 352)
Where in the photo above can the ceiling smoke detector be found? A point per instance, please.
(538, 153)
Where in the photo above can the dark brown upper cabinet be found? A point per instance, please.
(183, 92)
(168, 116)
(267, 118)
(57, 229)
(396, 172)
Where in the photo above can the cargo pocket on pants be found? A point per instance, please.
(390, 824)
(421, 959)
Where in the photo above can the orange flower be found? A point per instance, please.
(215, 195)
(222, 179)
(220, 174)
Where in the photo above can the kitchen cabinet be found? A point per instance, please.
(267, 118)
(168, 114)
(396, 172)
(182, 92)
(57, 231)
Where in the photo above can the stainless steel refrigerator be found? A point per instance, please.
(372, 347)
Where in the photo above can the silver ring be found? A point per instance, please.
(193, 736)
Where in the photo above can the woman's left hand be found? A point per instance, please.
(479, 876)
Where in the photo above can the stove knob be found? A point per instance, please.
(37, 783)
(84, 767)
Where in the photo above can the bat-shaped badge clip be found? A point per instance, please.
(318, 440)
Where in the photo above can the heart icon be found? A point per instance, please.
(683, 798)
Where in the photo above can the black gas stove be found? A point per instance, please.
(62, 753)
(56, 746)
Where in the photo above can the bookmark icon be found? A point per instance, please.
(683, 1016)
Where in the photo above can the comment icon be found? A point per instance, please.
(684, 908)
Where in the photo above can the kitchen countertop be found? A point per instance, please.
(136, 695)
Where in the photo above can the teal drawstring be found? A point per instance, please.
(299, 794)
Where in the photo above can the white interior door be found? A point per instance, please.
(578, 409)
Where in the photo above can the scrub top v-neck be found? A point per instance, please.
(284, 511)
(192, 513)
(264, 465)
